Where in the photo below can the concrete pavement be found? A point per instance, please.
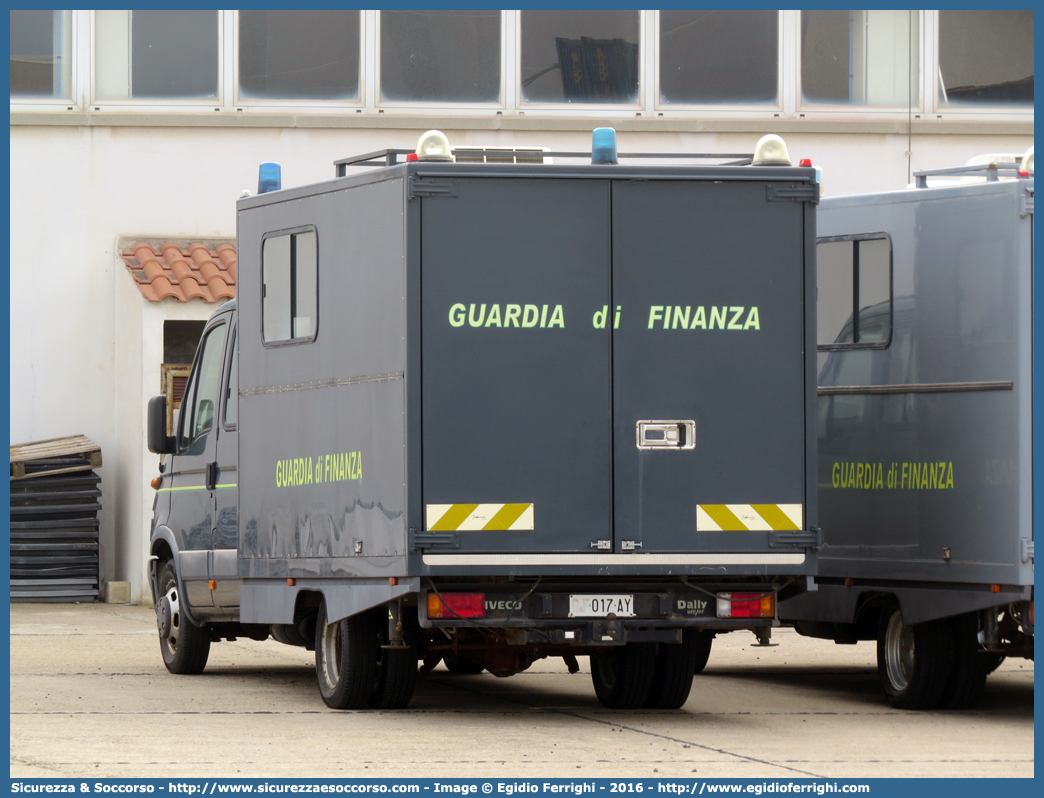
(90, 696)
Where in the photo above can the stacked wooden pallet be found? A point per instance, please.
(55, 501)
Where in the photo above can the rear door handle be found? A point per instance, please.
(666, 434)
(212, 475)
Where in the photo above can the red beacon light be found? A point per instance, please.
(412, 156)
(1026, 167)
(819, 172)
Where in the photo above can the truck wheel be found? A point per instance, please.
(462, 665)
(623, 676)
(967, 677)
(396, 668)
(346, 659)
(704, 639)
(673, 671)
(185, 647)
(913, 661)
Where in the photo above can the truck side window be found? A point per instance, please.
(855, 291)
(232, 391)
(289, 287)
(199, 406)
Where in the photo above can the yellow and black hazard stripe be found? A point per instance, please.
(476, 517)
(748, 517)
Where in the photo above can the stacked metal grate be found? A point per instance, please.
(55, 499)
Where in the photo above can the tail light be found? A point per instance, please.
(746, 605)
(457, 605)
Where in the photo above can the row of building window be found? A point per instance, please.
(867, 59)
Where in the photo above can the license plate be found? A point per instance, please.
(600, 606)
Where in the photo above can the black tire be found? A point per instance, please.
(913, 661)
(970, 667)
(185, 646)
(462, 665)
(346, 659)
(704, 639)
(623, 676)
(673, 670)
(396, 668)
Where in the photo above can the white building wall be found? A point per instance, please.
(86, 347)
(123, 472)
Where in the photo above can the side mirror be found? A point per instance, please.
(158, 440)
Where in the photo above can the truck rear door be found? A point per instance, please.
(709, 280)
(516, 378)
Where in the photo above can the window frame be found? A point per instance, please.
(856, 345)
(290, 231)
(940, 111)
(269, 105)
(70, 102)
(812, 110)
(368, 108)
(663, 109)
(185, 449)
(639, 107)
(167, 105)
(231, 355)
(461, 108)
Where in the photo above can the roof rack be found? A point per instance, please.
(992, 172)
(389, 157)
(369, 159)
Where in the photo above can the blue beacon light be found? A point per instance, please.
(269, 177)
(603, 145)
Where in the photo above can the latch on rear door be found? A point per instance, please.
(666, 434)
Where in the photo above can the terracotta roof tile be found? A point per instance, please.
(183, 273)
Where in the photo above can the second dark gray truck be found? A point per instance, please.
(926, 431)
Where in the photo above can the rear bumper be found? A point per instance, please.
(631, 560)
(659, 612)
(788, 562)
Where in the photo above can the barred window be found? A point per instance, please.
(289, 287)
(855, 291)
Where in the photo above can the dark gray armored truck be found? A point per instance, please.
(487, 413)
(925, 431)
